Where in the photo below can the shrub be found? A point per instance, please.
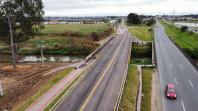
(151, 22)
(183, 28)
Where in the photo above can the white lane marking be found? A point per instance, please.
(175, 81)
(190, 83)
(183, 106)
(181, 67)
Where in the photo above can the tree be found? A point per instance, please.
(184, 28)
(25, 18)
(134, 18)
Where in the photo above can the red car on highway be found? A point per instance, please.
(170, 91)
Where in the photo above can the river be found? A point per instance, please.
(48, 58)
(187, 24)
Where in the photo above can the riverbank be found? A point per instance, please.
(64, 39)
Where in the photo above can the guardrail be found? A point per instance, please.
(73, 85)
(124, 80)
(90, 56)
(99, 48)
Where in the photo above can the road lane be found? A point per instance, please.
(77, 97)
(180, 73)
(105, 97)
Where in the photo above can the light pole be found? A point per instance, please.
(41, 46)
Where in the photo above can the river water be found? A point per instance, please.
(187, 24)
(48, 58)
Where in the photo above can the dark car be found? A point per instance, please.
(170, 91)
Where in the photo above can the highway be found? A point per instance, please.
(100, 88)
(175, 68)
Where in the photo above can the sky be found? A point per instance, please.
(118, 7)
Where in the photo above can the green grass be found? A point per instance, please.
(142, 32)
(24, 104)
(146, 89)
(64, 39)
(56, 45)
(60, 45)
(130, 90)
(188, 41)
(141, 54)
(81, 28)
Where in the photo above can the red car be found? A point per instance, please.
(170, 91)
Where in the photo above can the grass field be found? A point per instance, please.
(146, 89)
(59, 45)
(130, 90)
(23, 105)
(142, 32)
(80, 28)
(64, 39)
(188, 41)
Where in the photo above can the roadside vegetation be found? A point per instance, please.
(141, 54)
(128, 100)
(186, 40)
(24, 104)
(141, 26)
(146, 89)
(144, 33)
(67, 39)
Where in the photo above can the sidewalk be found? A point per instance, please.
(41, 103)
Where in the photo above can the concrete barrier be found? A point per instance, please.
(139, 94)
(98, 49)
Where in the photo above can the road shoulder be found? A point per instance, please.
(156, 101)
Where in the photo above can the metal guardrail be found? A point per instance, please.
(99, 48)
(124, 80)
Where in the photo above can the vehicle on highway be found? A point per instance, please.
(170, 91)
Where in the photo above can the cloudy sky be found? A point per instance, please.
(118, 7)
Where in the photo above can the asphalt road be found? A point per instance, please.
(100, 88)
(175, 68)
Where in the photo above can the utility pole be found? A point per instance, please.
(42, 58)
(1, 89)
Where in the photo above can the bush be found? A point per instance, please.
(183, 28)
(141, 51)
(151, 22)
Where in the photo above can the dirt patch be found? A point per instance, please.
(22, 82)
(156, 101)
